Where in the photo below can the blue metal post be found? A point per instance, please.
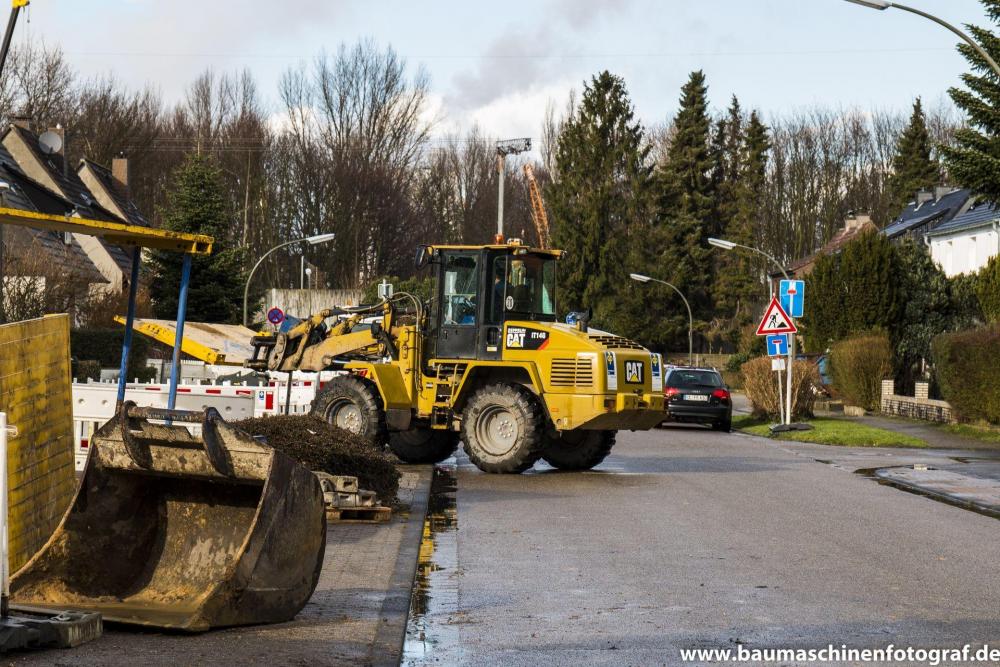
(133, 288)
(175, 366)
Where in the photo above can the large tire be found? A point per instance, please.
(353, 404)
(578, 450)
(503, 428)
(423, 445)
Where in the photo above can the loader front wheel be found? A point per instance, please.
(503, 428)
(353, 404)
(423, 445)
(578, 450)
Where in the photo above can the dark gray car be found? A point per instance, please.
(698, 395)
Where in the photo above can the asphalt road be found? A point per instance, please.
(685, 538)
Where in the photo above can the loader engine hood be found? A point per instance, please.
(592, 361)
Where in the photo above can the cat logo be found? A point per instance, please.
(633, 372)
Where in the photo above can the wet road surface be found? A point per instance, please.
(685, 538)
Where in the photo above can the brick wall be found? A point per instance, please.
(917, 406)
(36, 394)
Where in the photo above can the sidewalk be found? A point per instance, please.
(357, 616)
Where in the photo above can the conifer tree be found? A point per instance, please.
(600, 200)
(913, 168)
(197, 203)
(685, 200)
(737, 283)
(974, 160)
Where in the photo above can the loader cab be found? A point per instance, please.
(480, 288)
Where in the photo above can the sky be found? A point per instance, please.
(498, 64)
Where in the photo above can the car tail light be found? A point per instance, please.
(84, 443)
(671, 391)
(721, 394)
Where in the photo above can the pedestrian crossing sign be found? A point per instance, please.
(775, 320)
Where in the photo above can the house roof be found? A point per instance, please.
(844, 235)
(117, 193)
(936, 211)
(979, 215)
(35, 252)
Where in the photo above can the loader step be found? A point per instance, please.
(358, 514)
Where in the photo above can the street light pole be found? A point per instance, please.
(505, 148)
(731, 245)
(882, 5)
(639, 278)
(311, 240)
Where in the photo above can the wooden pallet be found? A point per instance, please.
(358, 514)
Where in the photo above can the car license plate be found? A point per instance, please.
(696, 397)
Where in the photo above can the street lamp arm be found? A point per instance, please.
(690, 314)
(246, 289)
(965, 38)
(764, 254)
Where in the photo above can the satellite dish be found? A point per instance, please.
(50, 142)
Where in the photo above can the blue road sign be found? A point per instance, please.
(777, 345)
(793, 294)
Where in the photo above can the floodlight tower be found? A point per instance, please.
(505, 148)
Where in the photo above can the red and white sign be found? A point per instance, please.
(776, 320)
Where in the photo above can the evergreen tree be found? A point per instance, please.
(913, 168)
(737, 283)
(926, 311)
(197, 203)
(974, 160)
(988, 289)
(600, 201)
(685, 200)
(854, 291)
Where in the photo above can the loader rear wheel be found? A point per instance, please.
(503, 428)
(578, 450)
(353, 404)
(423, 445)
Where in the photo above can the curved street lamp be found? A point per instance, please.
(639, 278)
(311, 240)
(882, 5)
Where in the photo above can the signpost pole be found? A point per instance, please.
(788, 380)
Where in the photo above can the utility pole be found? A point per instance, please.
(505, 148)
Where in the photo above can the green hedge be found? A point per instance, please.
(966, 363)
(858, 366)
(105, 347)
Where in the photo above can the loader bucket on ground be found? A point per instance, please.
(174, 531)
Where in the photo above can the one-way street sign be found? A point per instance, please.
(776, 320)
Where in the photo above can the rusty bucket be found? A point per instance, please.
(171, 530)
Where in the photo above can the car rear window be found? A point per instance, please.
(693, 379)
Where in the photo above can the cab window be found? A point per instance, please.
(531, 287)
(461, 281)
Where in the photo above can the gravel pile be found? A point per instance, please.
(320, 446)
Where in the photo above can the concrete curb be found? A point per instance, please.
(387, 649)
(901, 478)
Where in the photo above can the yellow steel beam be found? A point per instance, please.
(167, 336)
(113, 232)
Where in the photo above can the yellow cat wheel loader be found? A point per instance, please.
(483, 360)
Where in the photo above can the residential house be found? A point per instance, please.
(46, 184)
(854, 226)
(966, 243)
(926, 212)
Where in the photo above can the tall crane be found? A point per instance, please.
(538, 215)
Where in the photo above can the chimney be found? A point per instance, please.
(856, 220)
(119, 171)
(924, 196)
(23, 122)
(941, 191)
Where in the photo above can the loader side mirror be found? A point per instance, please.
(423, 257)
